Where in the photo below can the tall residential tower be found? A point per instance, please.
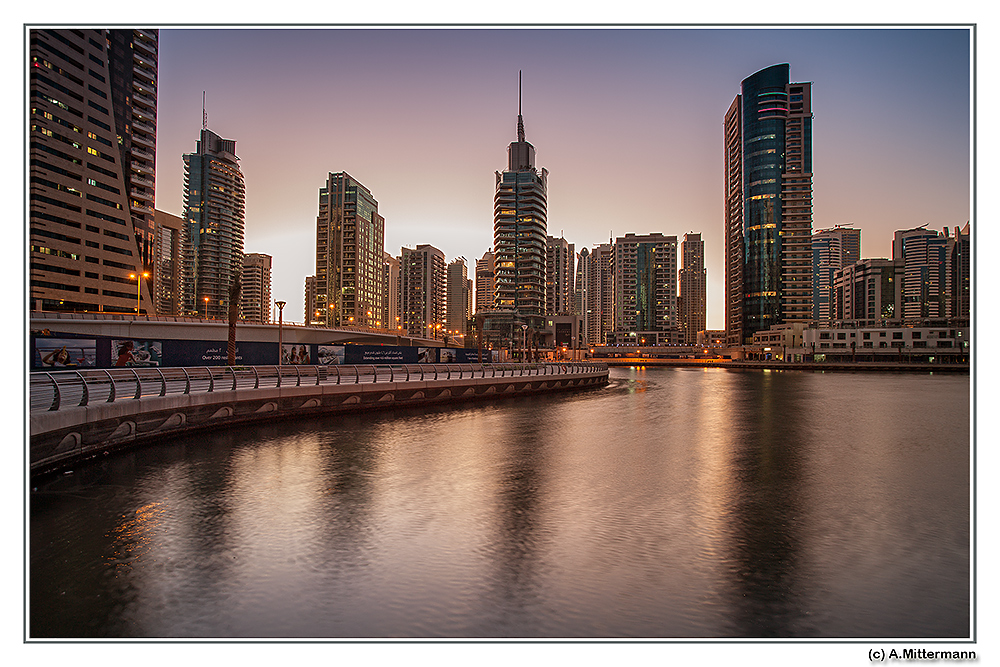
(768, 204)
(349, 254)
(519, 226)
(214, 210)
(92, 169)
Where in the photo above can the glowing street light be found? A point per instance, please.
(138, 289)
(206, 307)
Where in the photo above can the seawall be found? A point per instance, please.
(63, 437)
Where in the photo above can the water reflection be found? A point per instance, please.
(673, 503)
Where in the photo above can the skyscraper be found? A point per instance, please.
(459, 302)
(349, 253)
(214, 210)
(692, 311)
(519, 230)
(168, 259)
(867, 292)
(833, 249)
(309, 301)
(560, 257)
(485, 282)
(644, 269)
(768, 204)
(92, 168)
(597, 294)
(422, 294)
(255, 295)
(390, 292)
(926, 279)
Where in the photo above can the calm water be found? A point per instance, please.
(673, 503)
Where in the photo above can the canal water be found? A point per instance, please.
(673, 503)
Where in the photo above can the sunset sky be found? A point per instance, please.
(627, 121)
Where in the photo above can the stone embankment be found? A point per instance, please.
(75, 415)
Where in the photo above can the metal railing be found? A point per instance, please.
(55, 390)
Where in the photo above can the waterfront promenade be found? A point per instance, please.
(79, 414)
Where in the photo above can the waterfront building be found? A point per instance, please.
(560, 257)
(92, 169)
(868, 292)
(926, 278)
(832, 250)
(960, 257)
(349, 253)
(597, 294)
(926, 343)
(311, 315)
(390, 292)
(423, 291)
(255, 291)
(214, 208)
(459, 298)
(485, 282)
(692, 304)
(519, 230)
(768, 204)
(170, 237)
(644, 270)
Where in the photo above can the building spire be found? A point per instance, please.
(520, 121)
(204, 113)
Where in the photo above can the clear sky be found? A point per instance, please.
(627, 121)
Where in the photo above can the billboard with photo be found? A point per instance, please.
(55, 353)
(295, 355)
(136, 353)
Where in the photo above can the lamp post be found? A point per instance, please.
(206, 307)
(138, 289)
(524, 341)
(281, 307)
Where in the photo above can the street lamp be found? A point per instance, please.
(281, 307)
(138, 289)
(206, 307)
(524, 341)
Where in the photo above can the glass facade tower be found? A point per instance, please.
(768, 204)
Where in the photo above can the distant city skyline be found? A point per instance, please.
(628, 122)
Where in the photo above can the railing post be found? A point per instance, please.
(187, 381)
(231, 370)
(86, 394)
(56, 396)
(338, 374)
(163, 383)
(138, 385)
(111, 390)
(298, 377)
(256, 378)
(211, 379)
(374, 374)
(357, 375)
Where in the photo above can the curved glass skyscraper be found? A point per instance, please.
(768, 132)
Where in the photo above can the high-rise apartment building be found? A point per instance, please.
(349, 251)
(423, 291)
(560, 275)
(485, 282)
(597, 294)
(309, 302)
(214, 208)
(868, 293)
(459, 300)
(960, 256)
(768, 204)
(832, 250)
(692, 305)
(390, 292)
(644, 269)
(255, 293)
(92, 166)
(926, 276)
(170, 234)
(519, 230)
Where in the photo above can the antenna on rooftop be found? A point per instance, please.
(204, 114)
